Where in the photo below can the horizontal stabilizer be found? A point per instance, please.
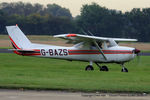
(24, 50)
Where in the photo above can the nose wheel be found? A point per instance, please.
(123, 68)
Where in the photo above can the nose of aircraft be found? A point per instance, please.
(136, 51)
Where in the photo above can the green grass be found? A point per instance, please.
(52, 74)
(6, 47)
(145, 51)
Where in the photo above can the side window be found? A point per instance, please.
(111, 44)
(100, 44)
(108, 44)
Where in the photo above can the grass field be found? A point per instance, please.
(52, 74)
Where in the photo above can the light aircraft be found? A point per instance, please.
(91, 49)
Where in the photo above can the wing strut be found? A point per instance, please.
(100, 50)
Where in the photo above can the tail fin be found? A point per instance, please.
(17, 37)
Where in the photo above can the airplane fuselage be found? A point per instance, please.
(115, 54)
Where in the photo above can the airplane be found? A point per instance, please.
(87, 48)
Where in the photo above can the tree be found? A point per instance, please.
(53, 19)
(57, 10)
(100, 21)
(3, 19)
(26, 9)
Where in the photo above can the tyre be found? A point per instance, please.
(89, 67)
(124, 70)
(104, 68)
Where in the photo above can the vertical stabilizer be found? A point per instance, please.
(17, 37)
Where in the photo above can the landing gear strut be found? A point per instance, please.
(123, 68)
(89, 67)
(103, 68)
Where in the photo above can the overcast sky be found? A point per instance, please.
(75, 5)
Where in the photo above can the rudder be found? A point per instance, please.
(17, 37)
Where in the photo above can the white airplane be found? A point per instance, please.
(91, 49)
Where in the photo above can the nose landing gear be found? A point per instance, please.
(123, 68)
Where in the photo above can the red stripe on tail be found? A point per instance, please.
(14, 43)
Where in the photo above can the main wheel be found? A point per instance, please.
(104, 68)
(124, 70)
(89, 67)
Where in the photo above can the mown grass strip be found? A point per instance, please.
(52, 74)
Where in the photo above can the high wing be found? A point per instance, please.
(92, 39)
(79, 37)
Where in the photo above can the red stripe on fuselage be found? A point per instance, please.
(17, 53)
(36, 49)
(98, 50)
(95, 53)
(27, 54)
(81, 52)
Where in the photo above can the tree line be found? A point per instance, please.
(54, 19)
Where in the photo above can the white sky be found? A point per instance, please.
(75, 5)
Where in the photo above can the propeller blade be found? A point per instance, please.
(137, 52)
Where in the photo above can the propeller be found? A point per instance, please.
(137, 52)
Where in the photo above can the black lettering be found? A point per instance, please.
(51, 52)
(56, 53)
(65, 51)
(60, 52)
(43, 52)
